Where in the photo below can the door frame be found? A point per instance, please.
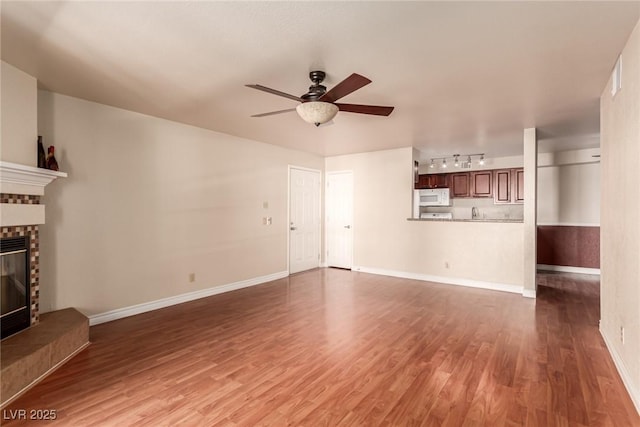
(326, 228)
(320, 206)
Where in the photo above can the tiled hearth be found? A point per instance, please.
(28, 356)
(52, 338)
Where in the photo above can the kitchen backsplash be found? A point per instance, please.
(461, 209)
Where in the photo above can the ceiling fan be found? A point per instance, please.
(319, 106)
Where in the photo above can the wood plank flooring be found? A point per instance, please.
(339, 348)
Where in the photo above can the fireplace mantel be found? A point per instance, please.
(22, 187)
(21, 179)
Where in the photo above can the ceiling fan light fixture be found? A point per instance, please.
(317, 112)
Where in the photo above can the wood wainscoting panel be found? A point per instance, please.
(569, 245)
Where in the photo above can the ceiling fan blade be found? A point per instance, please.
(365, 109)
(345, 87)
(271, 113)
(275, 92)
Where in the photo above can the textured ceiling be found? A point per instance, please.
(464, 77)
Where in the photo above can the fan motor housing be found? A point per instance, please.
(316, 90)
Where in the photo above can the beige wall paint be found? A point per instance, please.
(620, 217)
(19, 118)
(384, 239)
(149, 201)
(569, 194)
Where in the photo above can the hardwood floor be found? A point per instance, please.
(334, 347)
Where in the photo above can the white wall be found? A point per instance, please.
(385, 240)
(620, 218)
(569, 193)
(149, 201)
(19, 116)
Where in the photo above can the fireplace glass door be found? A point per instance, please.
(15, 289)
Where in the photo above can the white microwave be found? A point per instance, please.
(432, 197)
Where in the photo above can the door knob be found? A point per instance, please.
(292, 228)
(347, 226)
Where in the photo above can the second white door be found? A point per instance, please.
(339, 219)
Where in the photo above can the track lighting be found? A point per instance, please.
(456, 160)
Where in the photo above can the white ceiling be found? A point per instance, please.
(464, 77)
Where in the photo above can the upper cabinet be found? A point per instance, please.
(518, 184)
(436, 180)
(482, 184)
(504, 185)
(502, 190)
(439, 180)
(460, 184)
(508, 186)
(472, 184)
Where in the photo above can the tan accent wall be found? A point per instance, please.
(149, 201)
(19, 116)
(384, 239)
(620, 216)
(569, 194)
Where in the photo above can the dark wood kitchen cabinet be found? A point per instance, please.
(434, 180)
(508, 186)
(422, 182)
(481, 183)
(461, 184)
(518, 184)
(502, 183)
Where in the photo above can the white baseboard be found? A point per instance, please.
(442, 279)
(529, 293)
(622, 370)
(121, 313)
(568, 269)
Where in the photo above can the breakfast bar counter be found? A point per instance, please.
(509, 220)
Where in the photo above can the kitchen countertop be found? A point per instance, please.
(510, 220)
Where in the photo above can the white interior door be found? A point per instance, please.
(339, 219)
(304, 219)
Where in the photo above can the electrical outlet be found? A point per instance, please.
(265, 205)
(622, 334)
(192, 277)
